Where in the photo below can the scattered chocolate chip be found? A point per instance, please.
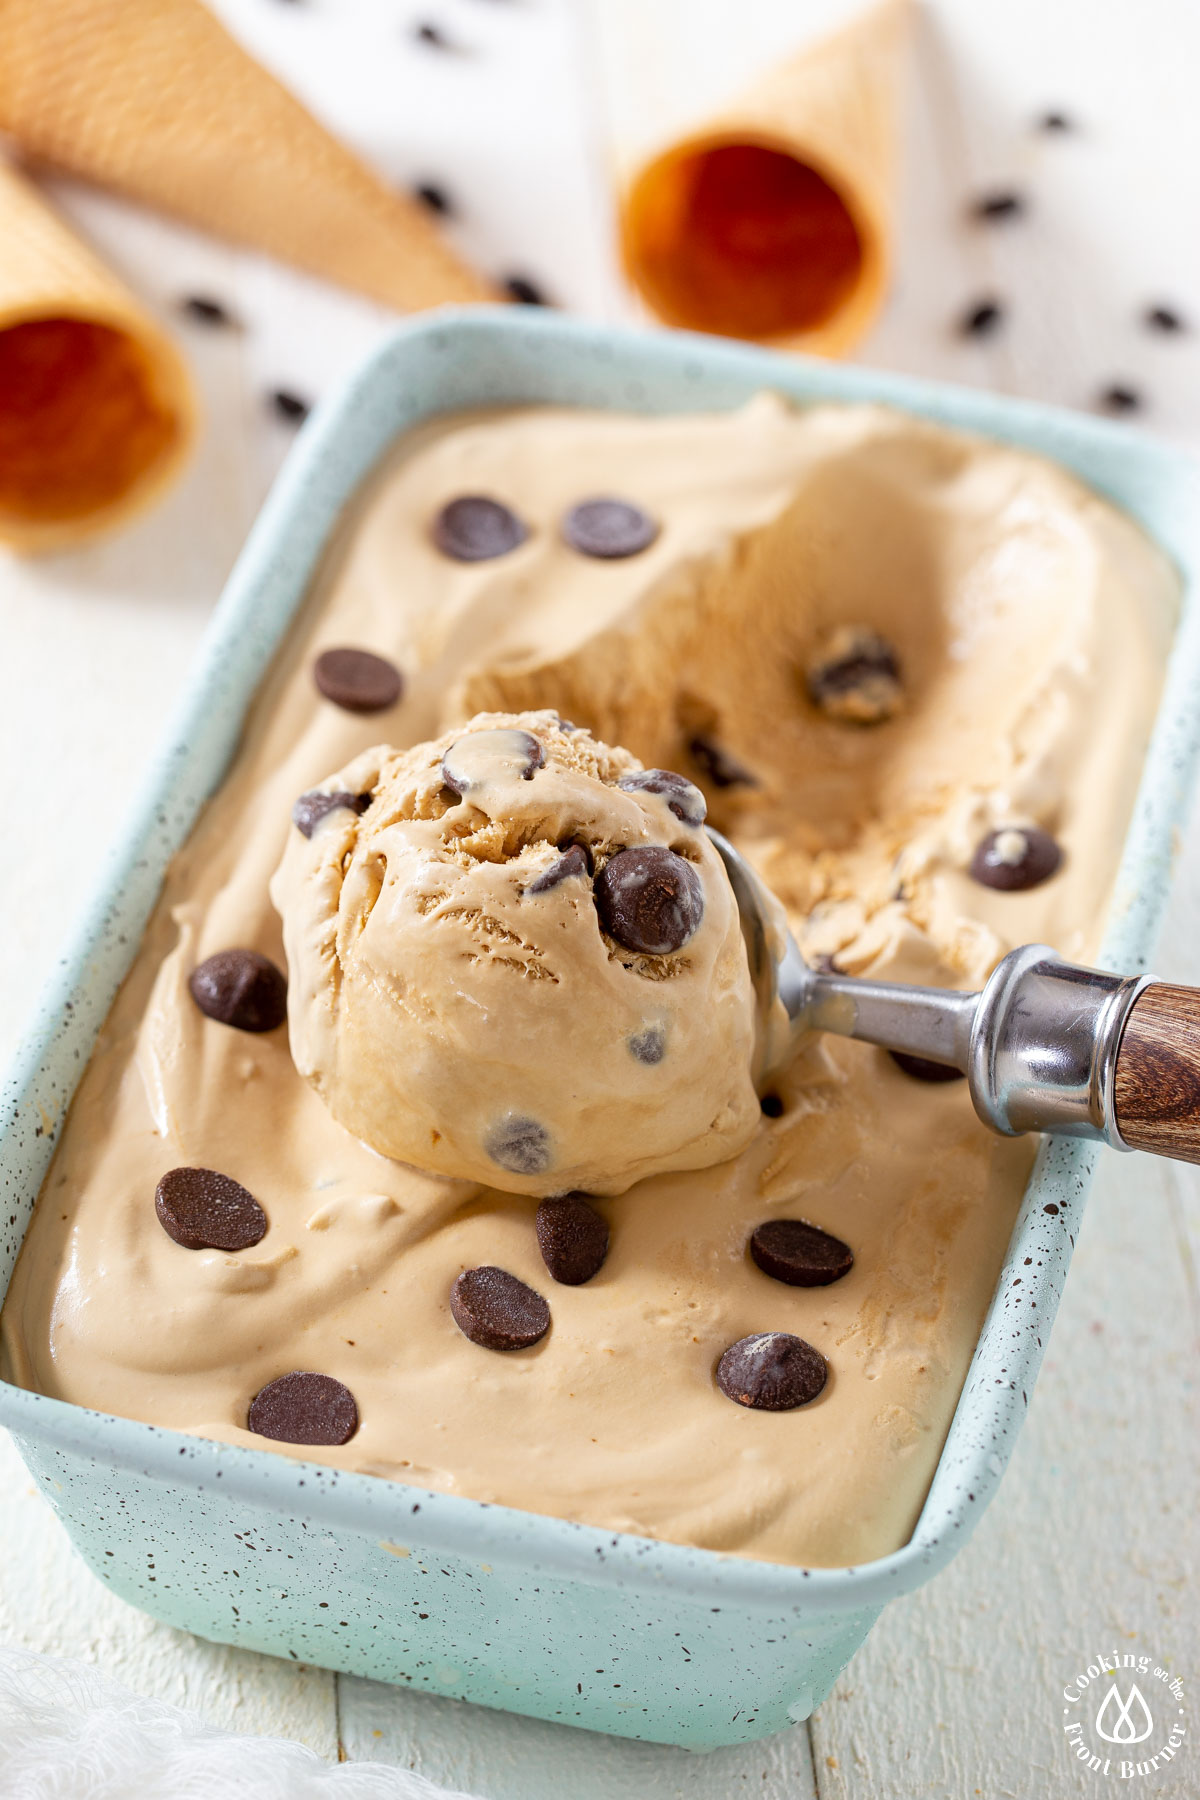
(483, 756)
(649, 899)
(571, 865)
(982, 319)
(1015, 857)
(682, 796)
(1001, 205)
(303, 1408)
(519, 1144)
(493, 1308)
(608, 528)
(1056, 121)
(572, 1238)
(1164, 318)
(567, 725)
(772, 1106)
(800, 1254)
(435, 198)
(207, 312)
(923, 1068)
(290, 406)
(1120, 398)
(204, 1210)
(240, 988)
(649, 1046)
(432, 35)
(310, 809)
(524, 291)
(854, 677)
(357, 680)
(772, 1371)
(475, 528)
(722, 769)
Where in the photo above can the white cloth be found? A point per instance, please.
(68, 1733)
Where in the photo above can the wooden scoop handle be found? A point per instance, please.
(1156, 1088)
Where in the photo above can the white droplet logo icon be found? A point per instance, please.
(1130, 1721)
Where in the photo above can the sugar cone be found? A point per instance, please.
(773, 220)
(153, 97)
(96, 409)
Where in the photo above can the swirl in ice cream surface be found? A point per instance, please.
(514, 957)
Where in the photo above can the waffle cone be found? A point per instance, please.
(98, 409)
(154, 98)
(773, 220)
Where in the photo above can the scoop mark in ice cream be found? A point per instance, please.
(574, 864)
(205, 1210)
(311, 808)
(649, 900)
(486, 756)
(649, 1046)
(357, 680)
(800, 1254)
(682, 796)
(722, 769)
(476, 528)
(854, 677)
(609, 529)
(572, 1237)
(923, 1068)
(241, 988)
(304, 1408)
(772, 1372)
(519, 1144)
(1015, 857)
(493, 1308)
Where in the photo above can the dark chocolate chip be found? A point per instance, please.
(303, 1408)
(573, 864)
(289, 406)
(719, 767)
(800, 1254)
(204, 1210)
(434, 197)
(476, 528)
(1164, 318)
(483, 756)
(357, 680)
(1003, 204)
(493, 1308)
(1015, 857)
(772, 1106)
(854, 677)
(1120, 398)
(772, 1371)
(608, 528)
(982, 319)
(567, 725)
(649, 1046)
(433, 35)
(682, 796)
(923, 1068)
(649, 899)
(311, 808)
(519, 1144)
(524, 291)
(572, 1238)
(1056, 121)
(207, 312)
(242, 989)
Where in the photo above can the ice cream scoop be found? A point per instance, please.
(1046, 1045)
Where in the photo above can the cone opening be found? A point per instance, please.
(742, 238)
(84, 421)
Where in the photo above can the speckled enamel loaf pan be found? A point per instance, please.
(532, 1614)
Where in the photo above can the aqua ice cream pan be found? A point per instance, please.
(512, 1609)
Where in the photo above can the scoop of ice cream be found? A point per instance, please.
(514, 957)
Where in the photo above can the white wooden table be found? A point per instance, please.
(1093, 1542)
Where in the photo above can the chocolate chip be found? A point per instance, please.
(204, 1210)
(772, 1371)
(475, 528)
(854, 677)
(242, 989)
(572, 1238)
(982, 319)
(290, 406)
(923, 1068)
(682, 796)
(1120, 398)
(303, 1408)
(649, 1046)
(1163, 318)
(357, 680)
(207, 312)
(311, 808)
(608, 528)
(1055, 121)
(800, 1254)
(486, 756)
(524, 291)
(432, 35)
(1001, 205)
(1015, 857)
(649, 900)
(434, 197)
(573, 864)
(772, 1106)
(493, 1308)
(719, 767)
(519, 1144)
